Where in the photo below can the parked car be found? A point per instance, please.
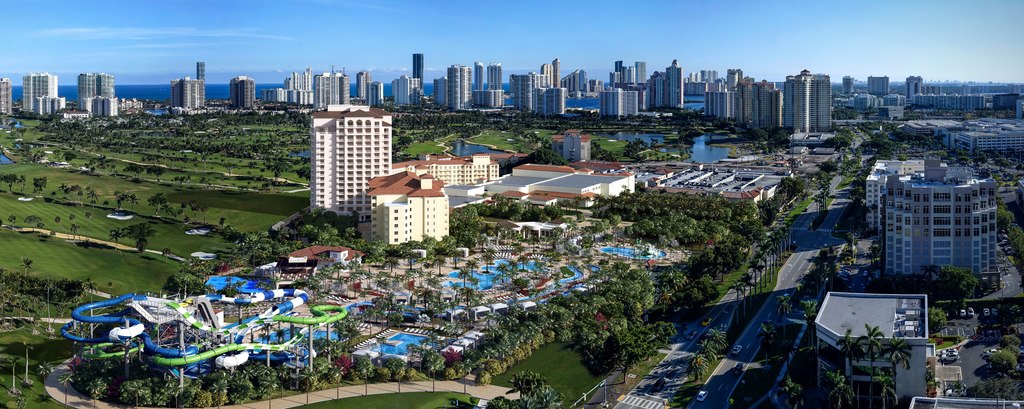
(738, 369)
(963, 313)
(701, 396)
(705, 322)
(692, 334)
(736, 349)
(970, 312)
(986, 312)
(995, 311)
(988, 353)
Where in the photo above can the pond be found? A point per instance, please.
(461, 148)
(18, 124)
(650, 138)
(702, 152)
(300, 154)
(156, 111)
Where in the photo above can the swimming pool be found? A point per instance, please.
(632, 253)
(401, 341)
(245, 285)
(486, 277)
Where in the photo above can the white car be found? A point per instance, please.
(736, 349)
(701, 396)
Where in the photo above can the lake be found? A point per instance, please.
(650, 138)
(461, 148)
(702, 152)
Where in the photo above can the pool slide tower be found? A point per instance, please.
(182, 336)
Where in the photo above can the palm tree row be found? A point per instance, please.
(870, 346)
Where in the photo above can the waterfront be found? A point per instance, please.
(703, 152)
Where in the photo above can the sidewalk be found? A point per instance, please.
(78, 400)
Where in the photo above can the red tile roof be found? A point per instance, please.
(561, 195)
(513, 193)
(352, 113)
(442, 160)
(546, 168)
(559, 138)
(315, 251)
(405, 183)
(597, 165)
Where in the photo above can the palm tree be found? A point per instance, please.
(65, 379)
(851, 350)
(785, 307)
(794, 392)
(26, 263)
(739, 287)
(872, 341)
(887, 386)
(767, 335)
(899, 353)
(700, 365)
(840, 394)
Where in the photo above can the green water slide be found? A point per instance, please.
(93, 354)
(320, 315)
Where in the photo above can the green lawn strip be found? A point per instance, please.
(501, 140)
(822, 215)
(641, 371)
(729, 279)
(41, 348)
(757, 382)
(413, 400)
(560, 365)
(113, 271)
(424, 148)
(799, 209)
(846, 181)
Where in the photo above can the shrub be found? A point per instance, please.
(483, 379)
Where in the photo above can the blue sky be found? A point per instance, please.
(147, 42)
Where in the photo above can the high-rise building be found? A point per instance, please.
(847, 85)
(187, 93)
(915, 87)
(656, 90)
(719, 104)
(375, 94)
(37, 85)
(1020, 108)
(556, 73)
(878, 85)
(242, 91)
(546, 71)
(298, 88)
(441, 91)
(708, 75)
(941, 216)
(478, 76)
(201, 71)
(363, 80)
(695, 88)
(6, 96)
(575, 82)
(571, 145)
(48, 105)
(489, 98)
(640, 69)
(94, 85)
(417, 66)
(406, 90)
(758, 105)
(733, 76)
(100, 106)
(459, 86)
(807, 104)
(494, 77)
(595, 85)
(349, 145)
(618, 102)
(674, 85)
(522, 86)
(549, 101)
(331, 88)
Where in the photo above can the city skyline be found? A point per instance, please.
(150, 44)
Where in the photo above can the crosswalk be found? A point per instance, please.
(808, 228)
(636, 402)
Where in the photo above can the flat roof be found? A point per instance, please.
(578, 181)
(902, 315)
(921, 402)
(521, 181)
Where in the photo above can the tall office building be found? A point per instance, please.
(656, 90)
(242, 91)
(847, 85)
(575, 82)
(441, 91)
(733, 76)
(640, 70)
(37, 85)
(417, 66)
(545, 71)
(549, 101)
(201, 71)
(406, 90)
(331, 88)
(522, 86)
(459, 85)
(363, 80)
(6, 96)
(915, 86)
(878, 85)
(618, 102)
(807, 104)
(375, 94)
(719, 104)
(349, 145)
(100, 106)
(758, 105)
(94, 85)
(478, 76)
(556, 73)
(674, 85)
(187, 93)
(494, 77)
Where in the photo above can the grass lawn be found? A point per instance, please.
(799, 209)
(757, 382)
(424, 148)
(124, 271)
(561, 366)
(414, 400)
(41, 348)
(501, 140)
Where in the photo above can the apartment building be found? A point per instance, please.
(406, 207)
(571, 145)
(349, 145)
(875, 186)
(452, 170)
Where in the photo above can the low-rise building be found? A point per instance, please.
(571, 145)
(902, 316)
(736, 185)
(548, 184)
(988, 134)
(309, 259)
(406, 207)
(810, 138)
(452, 170)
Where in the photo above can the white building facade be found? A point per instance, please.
(349, 145)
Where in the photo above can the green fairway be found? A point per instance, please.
(424, 148)
(414, 400)
(502, 141)
(113, 271)
(41, 348)
(560, 365)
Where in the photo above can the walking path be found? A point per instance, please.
(78, 400)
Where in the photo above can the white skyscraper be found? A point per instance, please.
(915, 86)
(848, 85)
(618, 102)
(546, 71)
(37, 85)
(807, 102)
(330, 89)
(549, 101)
(6, 96)
(375, 94)
(94, 85)
(640, 68)
(242, 92)
(459, 85)
(101, 106)
(48, 105)
(478, 76)
(733, 76)
(187, 93)
(522, 86)
(349, 145)
(363, 80)
(719, 104)
(406, 90)
(494, 77)
(556, 69)
(674, 85)
(878, 85)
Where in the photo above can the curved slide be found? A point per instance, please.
(131, 328)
